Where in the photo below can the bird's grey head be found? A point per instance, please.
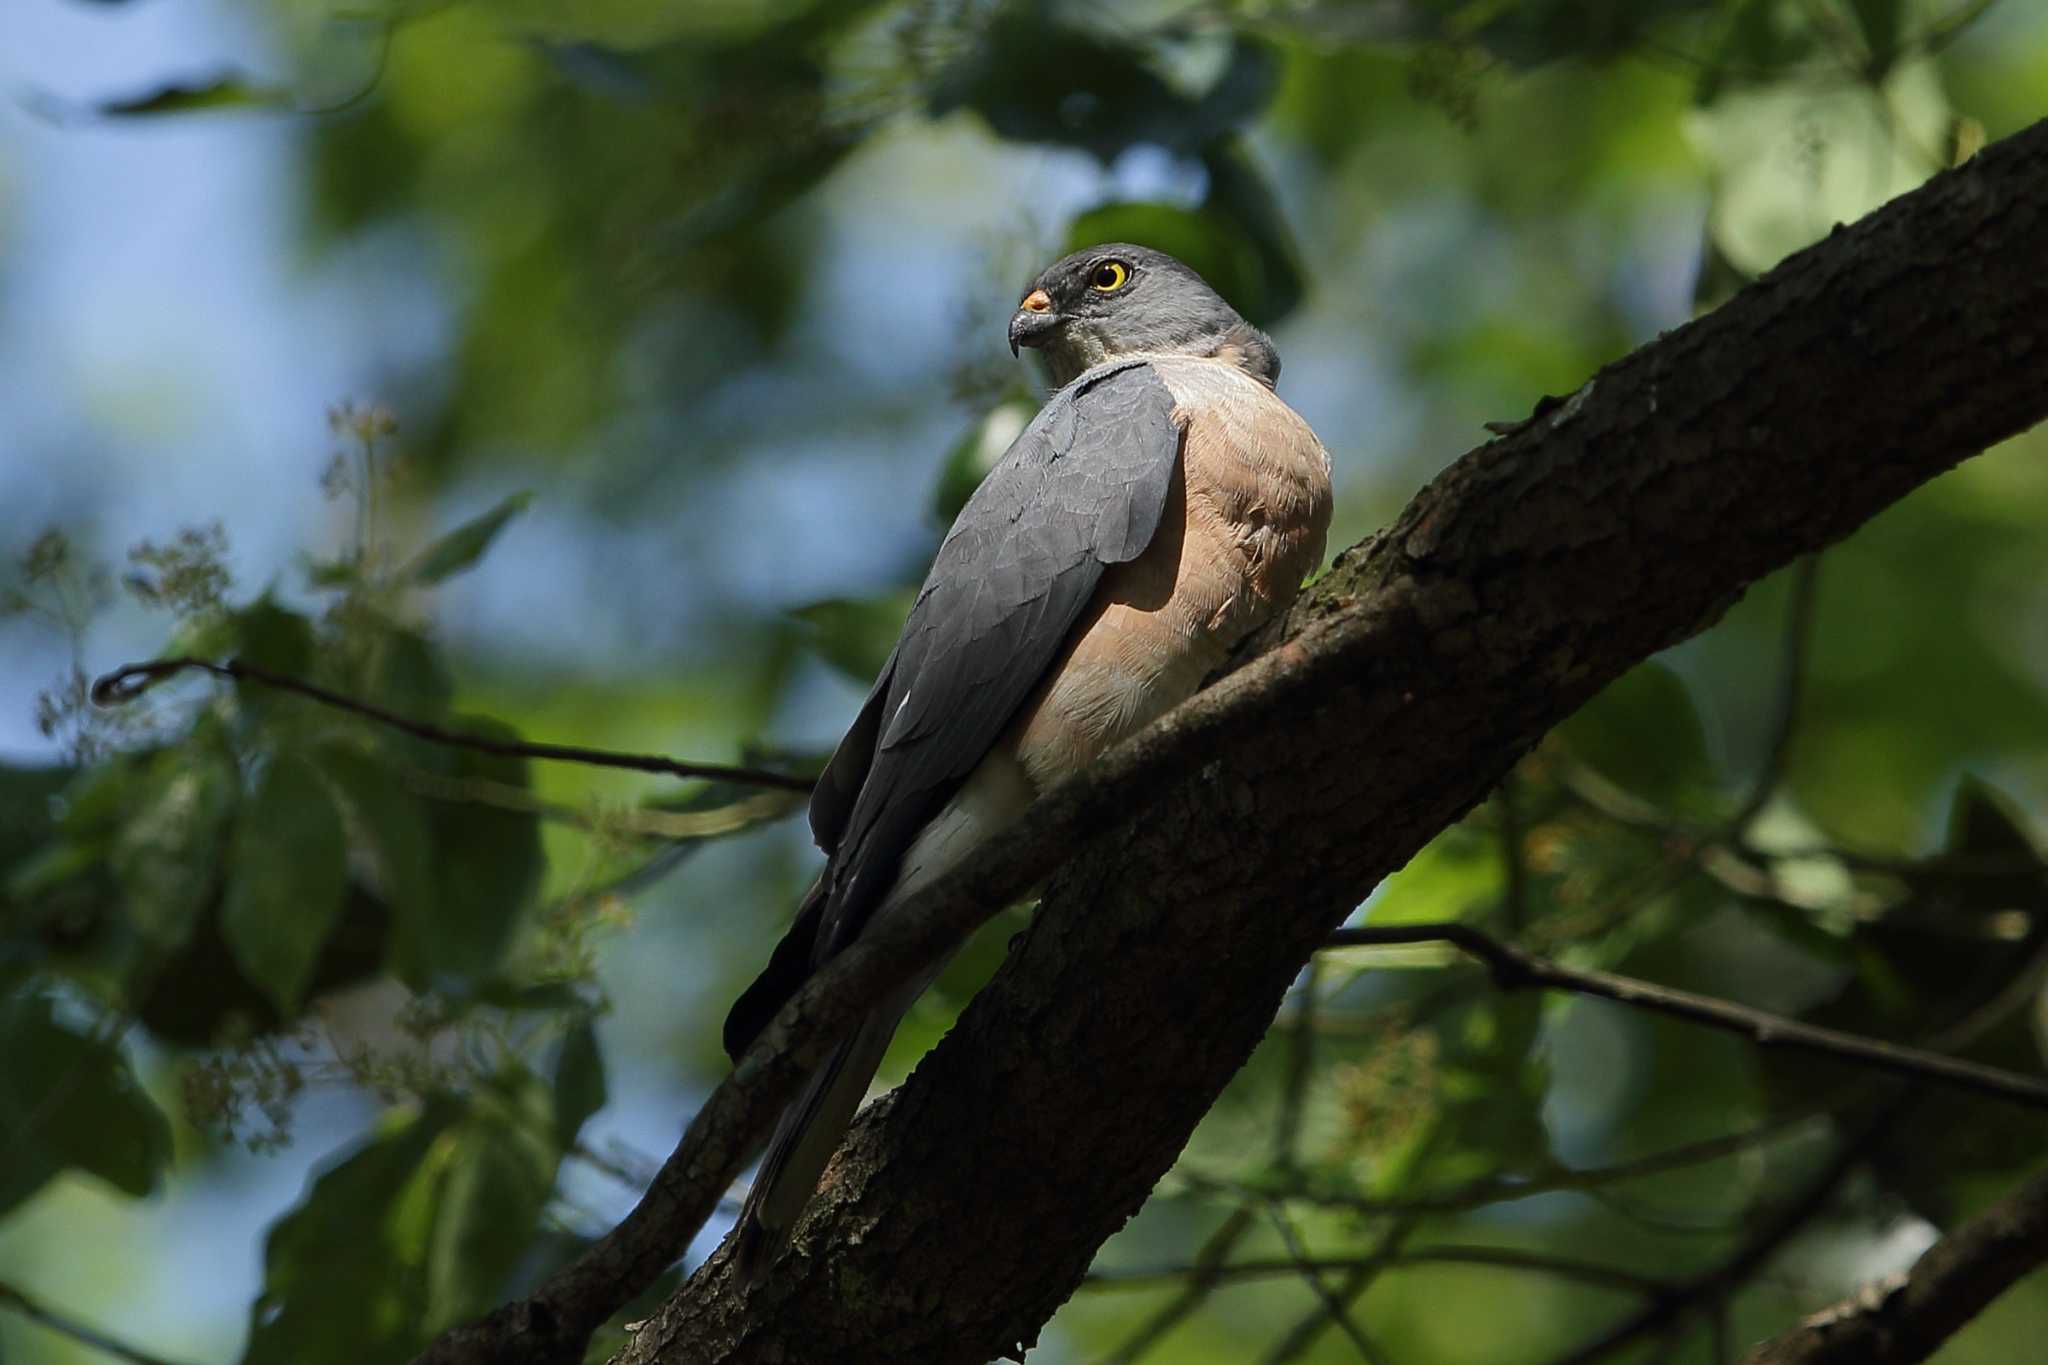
(1118, 300)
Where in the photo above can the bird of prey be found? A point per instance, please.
(1163, 505)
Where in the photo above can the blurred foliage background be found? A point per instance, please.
(606, 373)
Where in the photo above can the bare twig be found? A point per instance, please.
(1501, 1189)
(1667, 1314)
(130, 681)
(1202, 1279)
(1905, 1318)
(1357, 1280)
(1338, 1309)
(65, 1326)
(1513, 968)
(1504, 1258)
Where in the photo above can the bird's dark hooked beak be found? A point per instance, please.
(1033, 321)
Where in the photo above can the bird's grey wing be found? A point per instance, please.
(1083, 487)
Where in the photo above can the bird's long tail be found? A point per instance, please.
(807, 1135)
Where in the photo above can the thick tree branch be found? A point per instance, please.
(1203, 863)
(1906, 1318)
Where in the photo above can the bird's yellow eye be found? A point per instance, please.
(1109, 277)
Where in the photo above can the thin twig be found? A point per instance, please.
(1299, 1341)
(1202, 1278)
(1301, 1051)
(1339, 1311)
(1500, 1189)
(90, 1337)
(1514, 865)
(1513, 968)
(130, 681)
(1505, 1258)
(1668, 1312)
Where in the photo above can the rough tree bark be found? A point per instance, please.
(968, 1205)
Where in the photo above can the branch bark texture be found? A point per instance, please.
(1210, 857)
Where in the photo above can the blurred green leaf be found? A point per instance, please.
(579, 1081)
(222, 92)
(487, 863)
(406, 673)
(26, 817)
(464, 546)
(494, 1184)
(286, 877)
(1457, 874)
(271, 637)
(388, 823)
(1644, 734)
(366, 1223)
(1034, 78)
(855, 635)
(167, 856)
(68, 1101)
(1879, 20)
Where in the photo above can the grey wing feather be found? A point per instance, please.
(1083, 487)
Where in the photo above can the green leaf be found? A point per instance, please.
(579, 1081)
(26, 817)
(287, 873)
(855, 635)
(1458, 873)
(495, 1185)
(1644, 735)
(386, 821)
(166, 858)
(463, 546)
(70, 1101)
(406, 673)
(1880, 22)
(223, 92)
(487, 867)
(51, 866)
(342, 1276)
(272, 637)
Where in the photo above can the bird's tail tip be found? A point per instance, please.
(755, 1246)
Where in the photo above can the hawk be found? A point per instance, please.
(1163, 505)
